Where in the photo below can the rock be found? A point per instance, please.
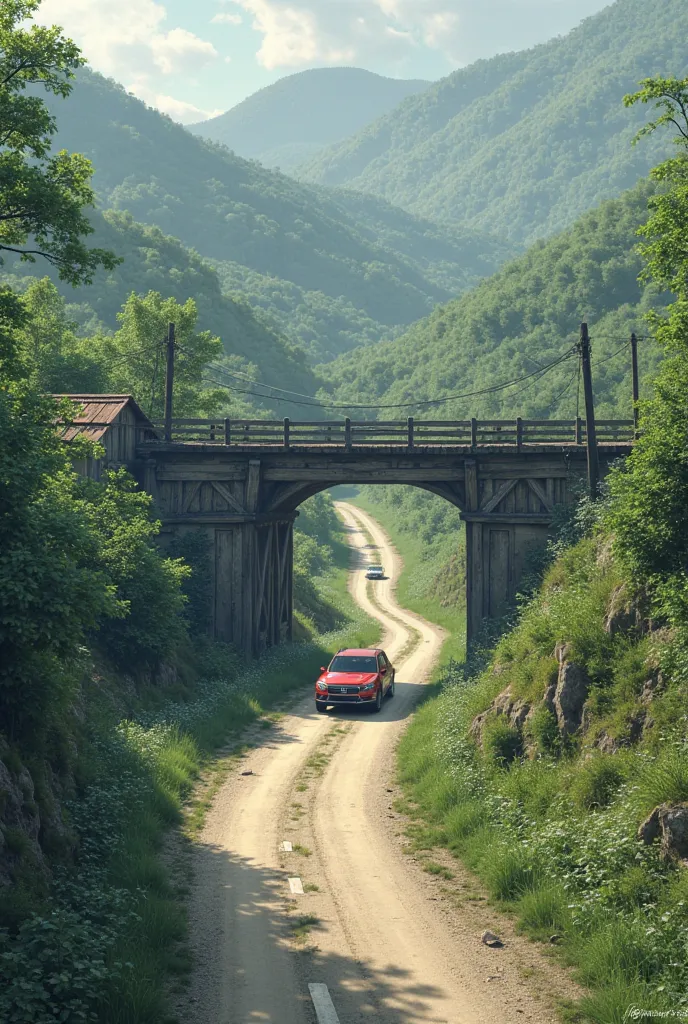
(622, 614)
(655, 684)
(570, 695)
(606, 743)
(515, 710)
(561, 652)
(669, 823)
(649, 830)
(674, 824)
(490, 939)
(249, 772)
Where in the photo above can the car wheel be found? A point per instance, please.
(390, 692)
(321, 706)
(377, 706)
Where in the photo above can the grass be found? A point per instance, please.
(553, 835)
(125, 919)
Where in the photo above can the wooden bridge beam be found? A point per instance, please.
(246, 502)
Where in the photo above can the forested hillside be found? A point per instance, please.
(524, 143)
(523, 318)
(376, 263)
(114, 697)
(155, 262)
(285, 123)
(556, 764)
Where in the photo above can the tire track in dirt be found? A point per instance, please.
(371, 925)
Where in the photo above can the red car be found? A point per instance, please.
(355, 677)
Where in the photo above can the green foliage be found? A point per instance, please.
(501, 741)
(195, 550)
(147, 587)
(525, 316)
(524, 143)
(55, 968)
(42, 197)
(650, 492)
(135, 356)
(544, 730)
(51, 587)
(598, 781)
(154, 262)
(62, 364)
(389, 267)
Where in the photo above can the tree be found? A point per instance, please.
(42, 197)
(61, 362)
(649, 508)
(135, 355)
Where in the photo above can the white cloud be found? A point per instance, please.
(294, 36)
(225, 18)
(178, 110)
(179, 51)
(301, 32)
(298, 33)
(125, 37)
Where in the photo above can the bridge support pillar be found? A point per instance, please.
(251, 577)
(498, 553)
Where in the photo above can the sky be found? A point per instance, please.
(196, 58)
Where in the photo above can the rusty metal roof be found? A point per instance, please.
(95, 414)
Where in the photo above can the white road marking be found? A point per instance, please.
(286, 847)
(296, 887)
(322, 1002)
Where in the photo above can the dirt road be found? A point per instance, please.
(385, 938)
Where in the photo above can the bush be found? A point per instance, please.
(510, 873)
(544, 729)
(544, 910)
(150, 626)
(598, 779)
(501, 741)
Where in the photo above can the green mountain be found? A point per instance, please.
(368, 260)
(524, 143)
(153, 261)
(517, 321)
(290, 121)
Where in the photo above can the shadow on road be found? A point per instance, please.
(246, 924)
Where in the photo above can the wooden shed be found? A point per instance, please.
(114, 421)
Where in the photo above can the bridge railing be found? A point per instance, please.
(410, 433)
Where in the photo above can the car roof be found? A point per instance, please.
(370, 651)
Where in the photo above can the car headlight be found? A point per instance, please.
(367, 687)
(322, 687)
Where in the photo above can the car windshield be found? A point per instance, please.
(354, 663)
(375, 568)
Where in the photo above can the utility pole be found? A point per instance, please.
(636, 386)
(590, 432)
(169, 382)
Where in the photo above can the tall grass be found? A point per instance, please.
(106, 942)
(553, 834)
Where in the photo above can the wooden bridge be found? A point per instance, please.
(410, 433)
(241, 482)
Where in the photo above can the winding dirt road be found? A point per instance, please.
(388, 940)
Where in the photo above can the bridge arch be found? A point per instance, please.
(245, 499)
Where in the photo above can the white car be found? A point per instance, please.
(375, 572)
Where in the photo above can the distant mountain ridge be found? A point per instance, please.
(366, 262)
(524, 143)
(523, 318)
(293, 119)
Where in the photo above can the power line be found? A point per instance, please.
(395, 405)
(606, 359)
(555, 401)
